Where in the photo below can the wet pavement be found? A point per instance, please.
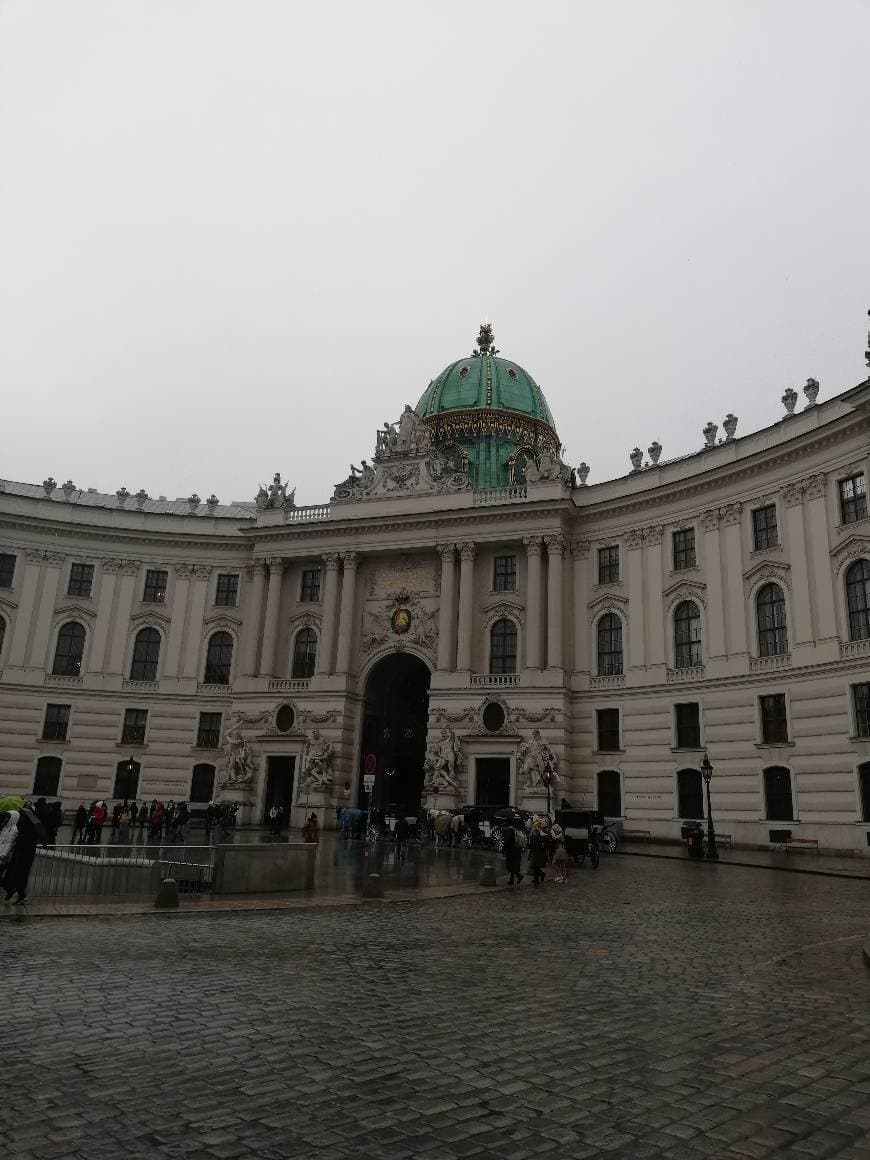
(651, 1008)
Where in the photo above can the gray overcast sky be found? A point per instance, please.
(237, 235)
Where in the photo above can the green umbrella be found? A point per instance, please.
(11, 802)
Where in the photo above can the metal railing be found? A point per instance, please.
(490, 495)
(494, 680)
(125, 873)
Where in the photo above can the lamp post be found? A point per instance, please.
(547, 779)
(707, 774)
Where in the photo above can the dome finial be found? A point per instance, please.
(485, 340)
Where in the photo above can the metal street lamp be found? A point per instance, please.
(547, 779)
(707, 774)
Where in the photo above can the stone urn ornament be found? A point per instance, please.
(709, 434)
(811, 390)
(636, 458)
(789, 400)
(655, 451)
(730, 425)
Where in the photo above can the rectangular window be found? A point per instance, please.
(608, 565)
(135, 721)
(56, 722)
(310, 585)
(504, 574)
(853, 499)
(227, 591)
(684, 549)
(861, 697)
(864, 791)
(765, 533)
(155, 586)
(774, 720)
(208, 735)
(81, 580)
(688, 720)
(7, 569)
(607, 721)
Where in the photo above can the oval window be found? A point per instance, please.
(493, 717)
(285, 719)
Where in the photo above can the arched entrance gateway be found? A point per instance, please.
(395, 719)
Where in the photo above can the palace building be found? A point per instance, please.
(463, 596)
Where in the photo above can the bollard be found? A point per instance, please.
(487, 876)
(374, 887)
(167, 895)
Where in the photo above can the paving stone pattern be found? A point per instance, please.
(651, 1009)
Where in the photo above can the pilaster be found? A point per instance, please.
(634, 575)
(253, 620)
(270, 627)
(326, 645)
(533, 601)
(52, 562)
(348, 605)
(447, 609)
(193, 629)
(715, 643)
(555, 582)
(467, 552)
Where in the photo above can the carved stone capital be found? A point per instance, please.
(710, 519)
(730, 514)
(555, 544)
(447, 552)
(634, 539)
(276, 565)
(792, 494)
(330, 559)
(581, 549)
(532, 545)
(350, 560)
(653, 534)
(467, 551)
(122, 567)
(184, 571)
(815, 485)
(55, 559)
(202, 571)
(258, 568)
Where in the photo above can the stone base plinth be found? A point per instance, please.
(442, 800)
(537, 802)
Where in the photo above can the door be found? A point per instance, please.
(493, 781)
(279, 785)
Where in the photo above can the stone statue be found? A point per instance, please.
(537, 761)
(276, 495)
(443, 761)
(240, 758)
(317, 772)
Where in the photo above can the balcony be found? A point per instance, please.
(214, 689)
(60, 679)
(492, 495)
(854, 648)
(494, 680)
(770, 664)
(614, 681)
(689, 673)
(298, 515)
(141, 686)
(295, 685)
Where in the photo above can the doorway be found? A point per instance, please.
(395, 720)
(493, 781)
(279, 785)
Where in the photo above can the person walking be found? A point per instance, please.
(80, 823)
(29, 834)
(402, 834)
(537, 853)
(275, 820)
(560, 857)
(513, 856)
(143, 817)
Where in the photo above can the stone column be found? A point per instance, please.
(636, 610)
(183, 574)
(270, 627)
(656, 654)
(580, 550)
(820, 549)
(714, 645)
(45, 616)
(533, 601)
(348, 604)
(467, 552)
(800, 629)
(737, 639)
(253, 621)
(326, 644)
(447, 609)
(192, 651)
(119, 634)
(24, 617)
(555, 550)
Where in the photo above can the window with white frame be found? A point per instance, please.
(504, 574)
(304, 654)
(765, 533)
(70, 650)
(687, 635)
(81, 580)
(609, 645)
(772, 628)
(607, 730)
(146, 655)
(853, 498)
(861, 706)
(858, 599)
(218, 659)
(7, 569)
(503, 646)
(684, 549)
(774, 719)
(687, 721)
(608, 564)
(56, 722)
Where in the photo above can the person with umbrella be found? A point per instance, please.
(20, 836)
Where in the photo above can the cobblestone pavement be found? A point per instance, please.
(650, 1009)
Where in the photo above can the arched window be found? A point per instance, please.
(609, 645)
(304, 654)
(146, 654)
(778, 802)
(858, 599)
(610, 793)
(47, 780)
(126, 787)
(772, 631)
(690, 794)
(202, 783)
(687, 635)
(219, 659)
(70, 650)
(503, 646)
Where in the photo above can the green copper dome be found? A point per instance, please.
(490, 409)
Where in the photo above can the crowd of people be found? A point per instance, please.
(541, 849)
